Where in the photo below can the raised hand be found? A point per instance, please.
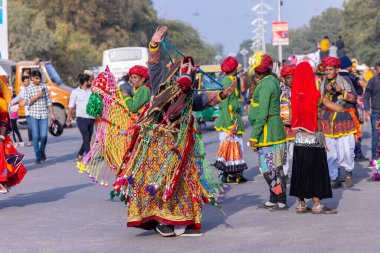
(157, 36)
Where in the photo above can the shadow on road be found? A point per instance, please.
(30, 163)
(46, 196)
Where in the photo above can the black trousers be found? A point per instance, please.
(86, 128)
(15, 131)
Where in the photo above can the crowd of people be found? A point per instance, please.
(306, 129)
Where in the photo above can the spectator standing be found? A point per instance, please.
(371, 101)
(333, 50)
(37, 98)
(324, 46)
(340, 45)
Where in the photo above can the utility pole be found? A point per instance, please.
(279, 19)
(258, 41)
(3, 30)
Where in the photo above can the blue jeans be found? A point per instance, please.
(39, 133)
(375, 135)
(29, 128)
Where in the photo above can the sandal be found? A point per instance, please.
(321, 209)
(303, 209)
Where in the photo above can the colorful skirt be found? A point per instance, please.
(157, 188)
(12, 171)
(229, 157)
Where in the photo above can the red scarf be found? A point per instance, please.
(304, 99)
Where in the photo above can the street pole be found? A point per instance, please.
(280, 46)
(3, 30)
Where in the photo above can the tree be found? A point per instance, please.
(74, 33)
(361, 21)
(187, 40)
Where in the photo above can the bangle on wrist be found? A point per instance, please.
(153, 44)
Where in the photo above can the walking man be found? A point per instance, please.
(37, 99)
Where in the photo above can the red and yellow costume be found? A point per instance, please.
(11, 169)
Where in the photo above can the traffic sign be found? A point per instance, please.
(280, 33)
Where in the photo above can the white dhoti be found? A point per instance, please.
(289, 157)
(340, 154)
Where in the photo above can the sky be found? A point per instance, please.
(229, 21)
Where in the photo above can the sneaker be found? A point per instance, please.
(29, 144)
(165, 230)
(349, 181)
(15, 144)
(279, 207)
(21, 144)
(266, 205)
(43, 157)
(179, 230)
(335, 184)
(38, 161)
(192, 232)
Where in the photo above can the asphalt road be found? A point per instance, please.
(55, 209)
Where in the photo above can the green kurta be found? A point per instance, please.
(264, 114)
(230, 110)
(141, 97)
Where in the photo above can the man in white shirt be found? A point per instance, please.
(79, 99)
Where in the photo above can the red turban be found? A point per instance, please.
(331, 62)
(229, 64)
(288, 70)
(265, 64)
(140, 71)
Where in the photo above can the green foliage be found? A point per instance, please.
(187, 40)
(361, 23)
(74, 33)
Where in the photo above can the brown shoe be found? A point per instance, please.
(348, 180)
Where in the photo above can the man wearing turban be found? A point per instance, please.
(339, 127)
(230, 112)
(268, 136)
(287, 73)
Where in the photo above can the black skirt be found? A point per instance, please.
(310, 173)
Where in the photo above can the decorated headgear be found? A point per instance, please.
(260, 62)
(140, 71)
(104, 82)
(345, 62)
(331, 62)
(320, 69)
(229, 64)
(288, 70)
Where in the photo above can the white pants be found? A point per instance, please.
(289, 157)
(340, 154)
(223, 135)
